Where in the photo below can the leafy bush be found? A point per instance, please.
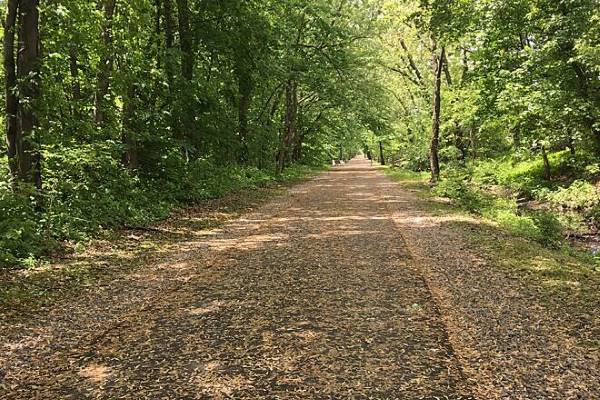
(580, 195)
(20, 237)
(458, 190)
(87, 190)
(541, 226)
(549, 228)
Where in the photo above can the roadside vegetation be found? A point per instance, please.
(552, 229)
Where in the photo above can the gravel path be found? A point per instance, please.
(312, 296)
(344, 288)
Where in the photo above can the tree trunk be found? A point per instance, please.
(435, 131)
(460, 142)
(157, 31)
(245, 97)
(291, 111)
(168, 16)
(465, 67)
(106, 63)
(74, 70)
(130, 155)
(381, 154)
(186, 42)
(244, 106)
(446, 67)
(547, 169)
(186, 113)
(571, 145)
(411, 62)
(516, 136)
(28, 71)
(473, 140)
(13, 133)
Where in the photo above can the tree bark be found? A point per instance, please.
(434, 160)
(13, 132)
(473, 140)
(186, 42)
(168, 16)
(157, 31)
(106, 63)
(547, 168)
(245, 97)
(381, 154)
(289, 128)
(411, 62)
(74, 70)
(460, 142)
(446, 66)
(28, 71)
(130, 155)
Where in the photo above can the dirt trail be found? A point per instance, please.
(342, 288)
(312, 296)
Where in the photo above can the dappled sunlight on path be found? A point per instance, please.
(312, 296)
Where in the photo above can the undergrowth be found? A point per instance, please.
(500, 191)
(86, 191)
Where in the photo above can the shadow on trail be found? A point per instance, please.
(312, 296)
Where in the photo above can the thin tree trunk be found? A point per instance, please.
(447, 73)
(291, 102)
(473, 139)
(13, 133)
(435, 131)
(74, 70)
(547, 168)
(465, 67)
(381, 154)
(28, 70)
(516, 136)
(411, 61)
(245, 96)
(168, 16)
(571, 145)
(130, 155)
(186, 42)
(106, 64)
(460, 142)
(157, 31)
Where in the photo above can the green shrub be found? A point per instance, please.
(464, 196)
(86, 190)
(540, 226)
(20, 237)
(549, 229)
(580, 195)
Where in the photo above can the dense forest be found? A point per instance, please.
(115, 111)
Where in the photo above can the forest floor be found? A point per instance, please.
(350, 285)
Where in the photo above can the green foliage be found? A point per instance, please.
(163, 104)
(541, 226)
(20, 237)
(89, 191)
(580, 195)
(458, 190)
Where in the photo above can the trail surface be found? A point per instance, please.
(321, 293)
